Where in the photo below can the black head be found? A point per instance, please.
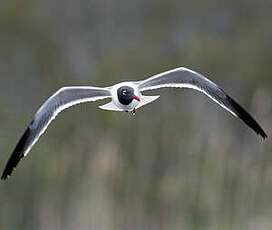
(126, 95)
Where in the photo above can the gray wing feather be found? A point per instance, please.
(186, 78)
(62, 99)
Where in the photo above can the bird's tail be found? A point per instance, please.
(146, 100)
(110, 106)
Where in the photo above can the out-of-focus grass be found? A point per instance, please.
(181, 162)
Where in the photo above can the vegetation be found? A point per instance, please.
(181, 162)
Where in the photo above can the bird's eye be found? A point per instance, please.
(124, 92)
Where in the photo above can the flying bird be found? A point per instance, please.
(125, 96)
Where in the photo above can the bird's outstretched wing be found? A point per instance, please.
(186, 78)
(62, 99)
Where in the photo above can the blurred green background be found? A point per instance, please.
(181, 162)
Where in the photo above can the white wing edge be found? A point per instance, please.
(188, 86)
(60, 109)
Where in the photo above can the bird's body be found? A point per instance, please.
(118, 98)
(125, 96)
(119, 103)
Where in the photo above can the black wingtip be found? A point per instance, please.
(247, 118)
(16, 156)
(263, 134)
(4, 177)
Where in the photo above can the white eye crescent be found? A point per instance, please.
(124, 92)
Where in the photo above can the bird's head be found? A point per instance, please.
(126, 95)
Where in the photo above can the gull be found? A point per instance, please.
(125, 96)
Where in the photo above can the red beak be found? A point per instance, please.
(136, 98)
